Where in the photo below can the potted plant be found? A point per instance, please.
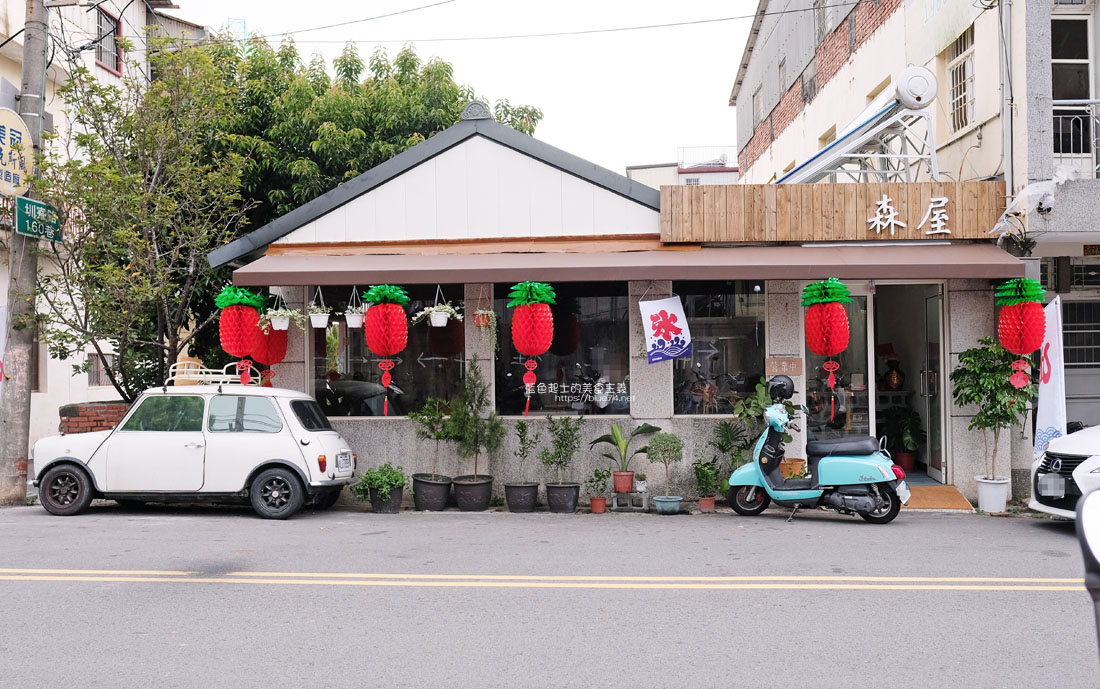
(523, 496)
(982, 379)
(624, 477)
(639, 482)
(565, 435)
(384, 487)
(354, 315)
(597, 489)
(904, 435)
(281, 318)
(437, 315)
(486, 323)
(666, 448)
(730, 440)
(706, 481)
(318, 315)
(430, 491)
(473, 433)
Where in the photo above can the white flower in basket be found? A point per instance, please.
(279, 319)
(354, 315)
(437, 315)
(318, 316)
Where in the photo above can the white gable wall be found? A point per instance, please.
(479, 190)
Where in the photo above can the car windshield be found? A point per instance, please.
(310, 415)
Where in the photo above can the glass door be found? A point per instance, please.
(845, 409)
(931, 388)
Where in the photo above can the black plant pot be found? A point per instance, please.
(391, 506)
(473, 493)
(431, 494)
(563, 497)
(521, 497)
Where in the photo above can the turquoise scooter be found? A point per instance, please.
(849, 475)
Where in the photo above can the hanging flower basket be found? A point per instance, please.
(318, 319)
(281, 318)
(1021, 325)
(353, 320)
(239, 319)
(281, 323)
(438, 319)
(354, 313)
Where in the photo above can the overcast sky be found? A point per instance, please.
(616, 99)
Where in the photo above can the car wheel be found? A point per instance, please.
(276, 494)
(326, 499)
(65, 490)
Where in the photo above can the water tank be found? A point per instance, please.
(915, 88)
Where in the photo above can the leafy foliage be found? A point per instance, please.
(750, 410)
(982, 379)
(621, 443)
(431, 424)
(525, 293)
(1019, 291)
(565, 434)
(467, 427)
(828, 290)
(666, 449)
(384, 480)
(903, 429)
(596, 484)
(386, 294)
(526, 441)
(706, 476)
(238, 296)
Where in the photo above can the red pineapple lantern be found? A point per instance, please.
(532, 326)
(268, 346)
(386, 328)
(239, 319)
(827, 322)
(1021, 325)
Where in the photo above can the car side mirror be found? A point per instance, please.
(1088, 532)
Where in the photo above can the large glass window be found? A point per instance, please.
(347, 380)
(587, 370)
(167, 413)
(844, 409)
(726, 319)
(243, 414)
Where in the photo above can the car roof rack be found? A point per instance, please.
(194, 373)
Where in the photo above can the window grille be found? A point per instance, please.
(960, 65)
(108, 51)
(1081, 326)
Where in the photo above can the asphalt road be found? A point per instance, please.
(213, 597)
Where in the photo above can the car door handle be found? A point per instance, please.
(194, 445)
(305, 441)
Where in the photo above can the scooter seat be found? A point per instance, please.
(863, 445)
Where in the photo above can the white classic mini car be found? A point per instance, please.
(1068, 469)
(212, 440)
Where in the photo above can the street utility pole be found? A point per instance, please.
(15, 395)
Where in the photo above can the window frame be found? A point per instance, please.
(268, 400)
(961, 101)
(117, 19)
(96, 365)
(757, 106)
(1084, 112)
(138, 407)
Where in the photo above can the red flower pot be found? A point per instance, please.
(599, 505)
(706, 504)
(623, 480)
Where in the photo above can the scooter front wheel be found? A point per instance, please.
(747, 506)
(887, 509)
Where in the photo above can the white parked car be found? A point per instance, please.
(1068, 469)
(215, 440)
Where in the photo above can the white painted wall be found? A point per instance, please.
(479, 190)
(654, 176)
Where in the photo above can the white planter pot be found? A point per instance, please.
(992, 494)
(318, 320)
(639, 487)
(280, 323)
(438, 319)
(354, 320)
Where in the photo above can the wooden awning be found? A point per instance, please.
(857, 261)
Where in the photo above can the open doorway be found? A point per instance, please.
(909, 369)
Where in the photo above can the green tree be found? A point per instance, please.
(471, 429)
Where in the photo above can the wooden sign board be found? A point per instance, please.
(742, 213)
(1092, 250)
(783, 365)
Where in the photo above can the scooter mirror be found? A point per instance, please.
(1088, 532)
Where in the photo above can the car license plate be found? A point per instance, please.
(1052, 486)
(343, 461)
(903, 492)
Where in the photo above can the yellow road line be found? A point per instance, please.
(531, 577)
(542, 584)
(154, 572)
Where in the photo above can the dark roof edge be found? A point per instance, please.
(260, 238)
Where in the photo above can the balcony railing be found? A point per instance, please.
(1075, 136)
(707, 156)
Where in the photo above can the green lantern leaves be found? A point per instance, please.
(1019, 291)
(386, 294)
(525, 293)
(830, 290)
(238, 296)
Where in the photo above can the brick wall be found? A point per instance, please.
(91, 416)
(832, 53)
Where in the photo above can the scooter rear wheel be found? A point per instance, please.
(888, 510)
(745, 506)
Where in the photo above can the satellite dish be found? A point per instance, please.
(916, 88)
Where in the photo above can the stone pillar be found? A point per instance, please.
(1038, 112)
(477, 344)
(650, 384)
(784, 338)
(296, 370)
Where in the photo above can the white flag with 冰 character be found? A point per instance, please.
(1050, 414)
(666, 330)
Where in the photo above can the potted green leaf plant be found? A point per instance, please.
(982, 379)
(430, 491)
(384, 486)
(666, 449)
(729, 439)
(706, 481)
(623, 476)
(565, 440)
(474, 431)
(904, 435)
(522, 496)
(596, 484)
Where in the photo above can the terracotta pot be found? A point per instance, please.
(906, 460)
(790, 466)
(624, 481)
(481, 320)
(706, 504)
(599, 505)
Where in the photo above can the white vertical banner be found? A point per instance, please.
(1050, 416)
(666, 330)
